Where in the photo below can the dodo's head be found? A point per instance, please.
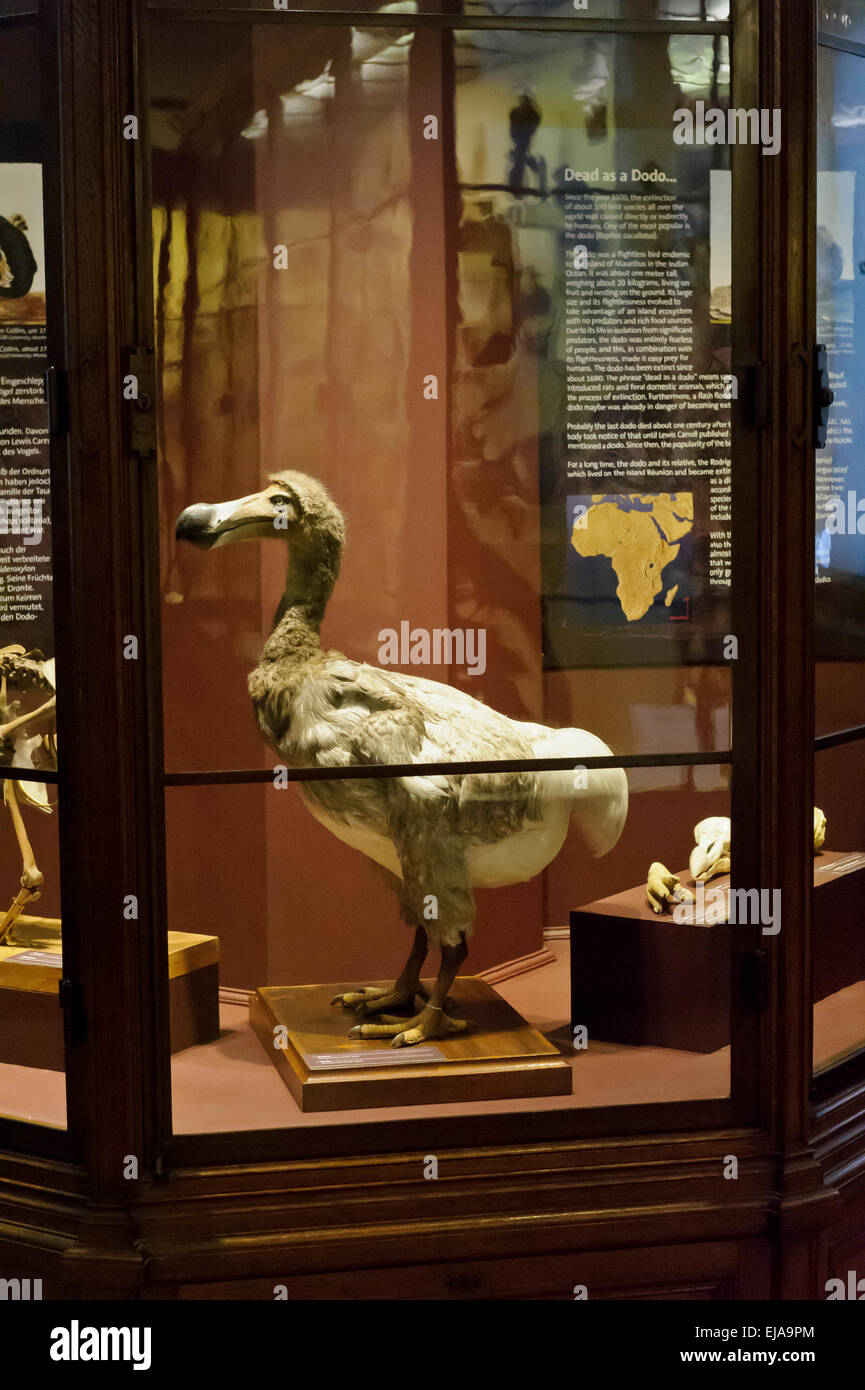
(293, 508)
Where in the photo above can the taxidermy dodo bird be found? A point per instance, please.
(436, 837)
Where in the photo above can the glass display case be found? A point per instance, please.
(434, 430)
(549, 582)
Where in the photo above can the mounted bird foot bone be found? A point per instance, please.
(663, 888)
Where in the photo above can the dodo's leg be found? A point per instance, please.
(437, 888)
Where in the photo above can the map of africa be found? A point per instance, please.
(639, 533)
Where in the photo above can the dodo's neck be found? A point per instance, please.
(312, 571)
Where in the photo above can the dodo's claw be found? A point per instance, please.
(352, 998)
(408, 1032)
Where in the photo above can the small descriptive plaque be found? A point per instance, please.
(375, 1057)
(846, 865)
(53, 958)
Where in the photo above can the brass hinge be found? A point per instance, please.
(140, 394)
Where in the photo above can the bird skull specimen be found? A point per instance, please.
(711, 853)
(439, 836)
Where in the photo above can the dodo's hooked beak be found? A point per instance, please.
(207, 525)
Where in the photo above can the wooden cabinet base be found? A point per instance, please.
(501, 1058)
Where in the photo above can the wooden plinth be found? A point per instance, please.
(645, 980)
(31, 1024)
(502, 1058)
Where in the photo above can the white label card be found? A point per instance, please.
(36, 958)
(375, 1057)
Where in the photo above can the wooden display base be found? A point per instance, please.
(502, 1058)
(644, 980)
(31, 1024)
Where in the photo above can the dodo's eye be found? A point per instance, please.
(281, 500)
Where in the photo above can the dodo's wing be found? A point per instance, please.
(392, 717)
(369, 716)
(388, 717)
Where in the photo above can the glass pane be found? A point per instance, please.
(839, 872)
(32, 1084)
(675, 11)
(839, 876)
(845, 20)
(656, 1031)
(377, 348)
(26, 613)
(840, 541)
(646, 10)
(604, 382)
(559, 547)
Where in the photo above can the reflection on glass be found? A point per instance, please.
(840, 493)
(32, 1061)
(385, 393)
(26, 605)
(636, 1004)
(673, 11)
(284, 249)
(343, 291)
(839, 879)
(843, 18)
(593, 346)
(839, 869)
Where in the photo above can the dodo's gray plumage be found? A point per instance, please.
(436, 837)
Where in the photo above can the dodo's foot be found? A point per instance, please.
(407, 1032)
(373, 998)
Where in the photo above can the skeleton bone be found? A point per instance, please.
(662, 888)
(711, 853)
(31, 674)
